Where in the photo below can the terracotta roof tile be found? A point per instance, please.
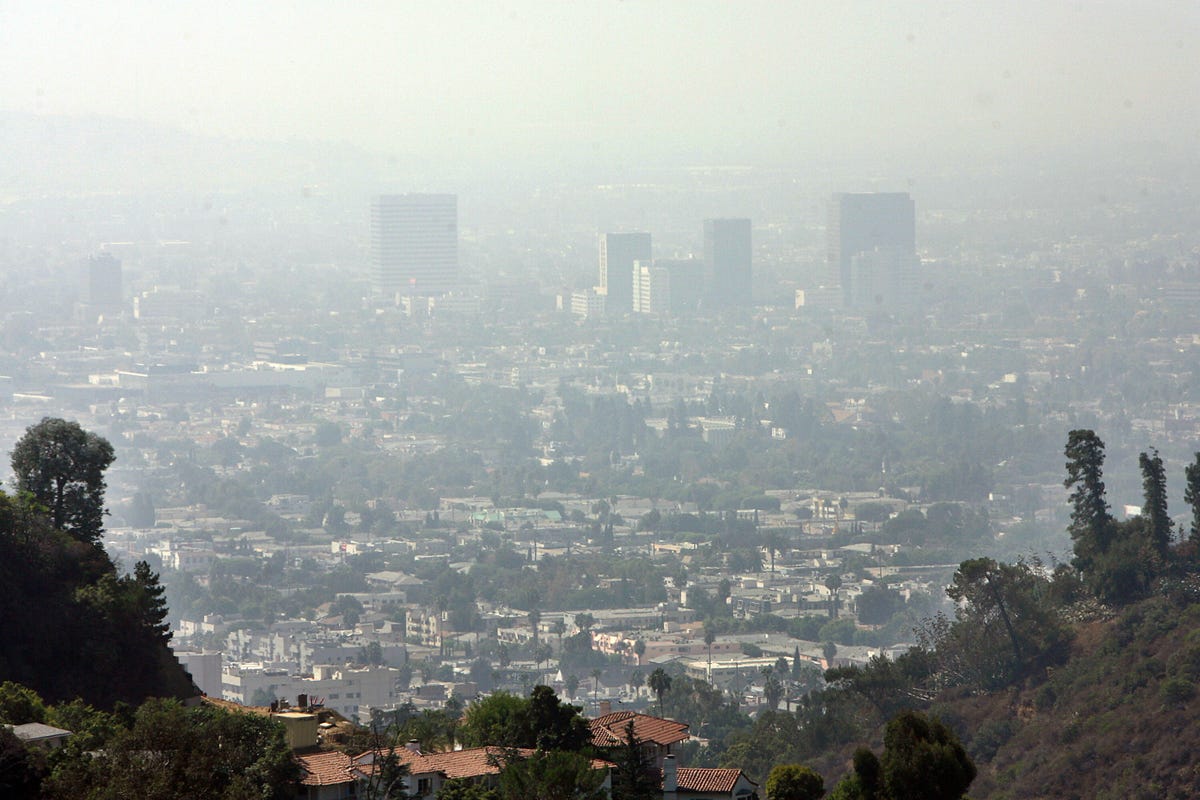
(470, 763)
(325, 769)
(609, 730)
(696, 779)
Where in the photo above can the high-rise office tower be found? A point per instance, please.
(884, 279)
(651, 287)
(104, 289)
(728, 277)
(863, 223)
(414, 244)
(618, 251)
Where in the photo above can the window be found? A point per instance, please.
(424, 786)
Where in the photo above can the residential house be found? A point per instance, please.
(697, 783)
(336, 776)
(657, 735)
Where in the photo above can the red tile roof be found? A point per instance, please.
(696, 779)
(609, 730)
(469, 763)
(325, 769)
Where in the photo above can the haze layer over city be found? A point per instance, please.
(447, 350)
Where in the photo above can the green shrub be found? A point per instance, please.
(1176, 691)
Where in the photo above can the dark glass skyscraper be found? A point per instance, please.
(863, 223)
(618, 251)
(728, 275)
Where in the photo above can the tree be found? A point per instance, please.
(542, 654)
(923, 760)
(833, 583)
(1091, 524)
(659, 683)
(20, 705)
(141, 511)
(496, 720)
(596, 675)
(555, 775)
(631, 777)
(1191, 496)
(772, 689)
(1154, 509)
(383, 774)
(866, 780)
(372, 653)
(62, 466)
(171, 751)
(21, 770)
(559, 628)
(774, 542)
(150, 606)
(794, 782)
(709, 638)
(535, 621)
(466, 789)
(877, 604)
(555, 725)
(327, 434)
(1007, 626)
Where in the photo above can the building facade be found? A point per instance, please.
(414, 244)
(860, 224)
(618, 252)
(728, 269)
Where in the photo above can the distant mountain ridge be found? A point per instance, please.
(107, 155)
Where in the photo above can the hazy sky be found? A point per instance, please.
(731, 82)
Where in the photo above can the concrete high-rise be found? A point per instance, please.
(861, 224)
(104, 289)
(618, 251)
(728, 275)
(414, 244)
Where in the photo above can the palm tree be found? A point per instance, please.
(535, 619)
(659, 683)
(772, 689)
(833, 583)
(596, 673)
(542, 655)
(559, 629)
(709, 638)
(774, 542)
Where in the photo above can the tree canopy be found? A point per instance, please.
(62, 466)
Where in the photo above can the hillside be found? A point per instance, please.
(1117, 720)
(72, 627)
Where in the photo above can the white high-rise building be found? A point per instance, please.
(651, 288)
(414, 244)
(618, 254)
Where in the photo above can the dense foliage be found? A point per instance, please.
(73, 625)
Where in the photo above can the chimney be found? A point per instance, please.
(413, 746)
(605, 707)
(670, 777)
